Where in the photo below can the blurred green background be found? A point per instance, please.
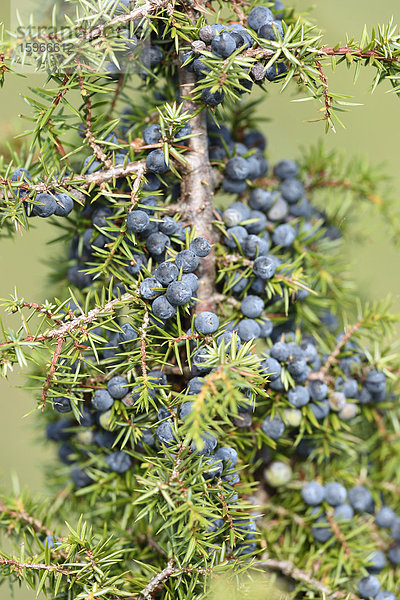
(372, 130)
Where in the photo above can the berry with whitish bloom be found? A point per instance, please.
(298, 396)
(80, 478)
(209, 444)
(318, 390)
(194, 385)
(385, 517)
(233, 186)
(118, 387)
(292, 190)
(343, 512)
(151, 56)
(187, 261)
(137, 262)
(155, 162)
(166, 273)
(278, 473)
(320, 410)
(292, 417)
(185, 409)
(337, 401)
(228, 455)
(266, 327)
(102, 400)
(223, 44)
(179, 293)
(46, 205)
(271, 30)
(384, 595)
(321, 531)
(395, 530)
(273, 427)
(264, 267)
(394, 554)
(261, 199)
(165, 433)
(255, 246)
(375, 381)
(361, 499)
(229, 338)
(119, 461)
(156, 243)
(252, 307)
(258, 16)
(162, 308)
(152, 134)
(168, 225)
(257, 222)
(206, 322)
(137, 221)
(150, 288)
(313, 493)
(298, 369)
(215, 467)
(62, 404)
(199, 358)
(377, 561)
(212, 98)
(368, 587)
(248, 329)
(284, 235)
(237, 168)
(280, 351)
(236, 236)
(64, 205)
(235, 214)
(271, 368)
(127, 334)
(200, 246)
(58, 431)
(191, 280)
(276, 72)
(335, 493)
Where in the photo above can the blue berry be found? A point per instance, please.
(269, 30)
(192, 281)
(151, 56)
(298, 369)
(58, 431)
(273, 427)
(102, 400)
(187, 261)
(199, 358)
(119, 462)
(313, 493)
(179, 293)
(271, 368)
(385, 517)
(276, 72)
(155, 162)
(137, 221)
(261, 199)
(156, 243)
(194, 385)
(118, 387)
(258, 222)
(384, 595)
(168, 226)
(252, 307)
(266, 327)
(212, 98)
(264, 267)
(343, 512)
(152, 134)
(248, 329)
(62, 404)
(320, 410)
(394, 554)
(228, 455)
(235, 214)
(377, 561)
(258, 16)
(223, 44)
(361, 499)
(321, 533)
(214, 468)
(64, 205)
(150, 288)
(185, 409)
(166, 273)
(375, 381)
(200, 246)
(162, 308)
(209, 444)
(165, 433)
(368, 587)
(228, 337)
(127, 335)
(206, 322)
(318, 390)
(255, 246)
(335, 493)
(298, 396)
(137, 262)
(237, 168)
(45, 207)
(80, 478)
(284, 235)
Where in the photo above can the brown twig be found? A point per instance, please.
(19, 566)
(97, 150)
(52, 370)
(22, 515)
(327, 97)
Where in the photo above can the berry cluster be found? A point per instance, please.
(345, 504)
(46, 204)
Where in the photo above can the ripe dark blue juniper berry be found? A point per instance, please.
(273, 427)
(385, 517)
(248, 329)
(102, 400)
(62, 404)
(165, 433)
(152, 134)
(368, 587)
(313, 493)
(335, 493)
(237, 168)
(119, 461)
(137, 221)
(228, 455)
(361, 499)
(155, 161)
(200, 246)
(252, 307)
(376, 562)
(206, 322)
(150, 288)
(258, 16)
(162, 308)
(166, 273)
(179, 293)
(64, 205)
(212, 98)
(187, 261)
(298, 396)
(223, 44)
(118, 387)
(45, 205)
(126, 335)
(264, 267)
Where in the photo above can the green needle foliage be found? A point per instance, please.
(201, 364)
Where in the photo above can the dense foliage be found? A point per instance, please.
(219, 400)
